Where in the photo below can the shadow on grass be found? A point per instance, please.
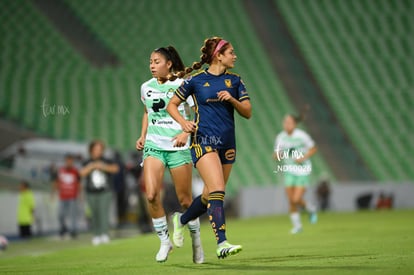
(274, 264)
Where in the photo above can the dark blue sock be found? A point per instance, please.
(215, 211)
(196, 209)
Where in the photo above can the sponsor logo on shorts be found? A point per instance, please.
(230, 154)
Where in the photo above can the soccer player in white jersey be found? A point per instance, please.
(165, 145)
(293, 150)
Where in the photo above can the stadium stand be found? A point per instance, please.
(361, 54)
(40, 70)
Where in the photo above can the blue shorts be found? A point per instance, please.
(226, 155)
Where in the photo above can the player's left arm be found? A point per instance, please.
(244, 108)
(309, 143)
(308, 154)
(242, 101)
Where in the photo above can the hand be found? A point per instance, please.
(99, 165)
(91, 166)
(139, 145)
(180, 140)
(188, 126)
(224, 96)
(300, 160)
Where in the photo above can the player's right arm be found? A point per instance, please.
(139, 145)
(172, 109)
(276, 148)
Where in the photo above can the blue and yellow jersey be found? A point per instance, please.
(214, 118)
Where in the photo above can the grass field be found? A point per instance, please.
(350, 243)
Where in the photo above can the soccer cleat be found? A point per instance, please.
(227, 249)
(313, 217)
(295, 230)
(105, 238)
(178, 234)
(162, 254)
(198, 254)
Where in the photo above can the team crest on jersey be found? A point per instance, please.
(170, 93)
(230, 154)
(206, 84)
(228, 83)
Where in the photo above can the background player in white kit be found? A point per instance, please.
(165, 145)
(293, 149)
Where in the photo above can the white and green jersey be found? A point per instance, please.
(289, 148)
(161, 126)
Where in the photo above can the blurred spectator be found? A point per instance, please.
(119, 188)
(136, 168)
(98, 171)
(25, 210)
(323, 192)
(384, 202)
(67, 184)
(363, 201)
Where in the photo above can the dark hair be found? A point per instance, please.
(301, 117)
(95, 142)
(206, 57)
(171, 54)
(69, 156)
(25, 184)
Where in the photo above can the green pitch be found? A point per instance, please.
(357, 243)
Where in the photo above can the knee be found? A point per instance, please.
(185, 202)
(293, 201)
(151, 197)
(296, 202)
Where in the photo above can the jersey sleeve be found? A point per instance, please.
(242, 93)
(190, 101)
(277, 143)
(143, 93)
(308, 141)
(186, 89)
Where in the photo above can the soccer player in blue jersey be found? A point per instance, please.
(216, 93)
(165, 145)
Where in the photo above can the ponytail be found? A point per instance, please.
(171, 54)
(177, 63)
(208, 52)
(302, 115)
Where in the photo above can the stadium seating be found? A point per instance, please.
(39, 67)
(361, 54)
